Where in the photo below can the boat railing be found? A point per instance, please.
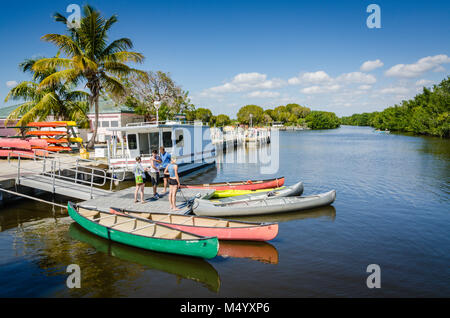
(54, 168)
(164, 122)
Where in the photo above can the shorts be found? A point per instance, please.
(173, 181)
(154, 178)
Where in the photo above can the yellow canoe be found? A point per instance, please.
(232, 193)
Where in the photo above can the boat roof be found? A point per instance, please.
(148, 126)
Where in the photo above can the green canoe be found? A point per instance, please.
(143, 234)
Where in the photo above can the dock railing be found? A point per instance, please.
(53, 167)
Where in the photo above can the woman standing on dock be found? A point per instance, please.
(139, 175)
(174, 183)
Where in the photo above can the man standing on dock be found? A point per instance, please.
(165, 159)
(154, 172)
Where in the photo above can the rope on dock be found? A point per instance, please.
(32, 198)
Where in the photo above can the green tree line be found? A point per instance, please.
(428, 113)
(289, 115)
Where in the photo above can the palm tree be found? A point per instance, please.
(57, 100)
(90, 59)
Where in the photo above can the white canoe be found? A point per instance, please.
(262, 206)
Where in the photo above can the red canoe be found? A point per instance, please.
(239, 185)
(46, 133)
(208, 226)
(23, 153)
(38, 143)
(14, 143)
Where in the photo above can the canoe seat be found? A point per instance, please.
(87, 213)
(171, 235)
(142, 227)
(221, 223)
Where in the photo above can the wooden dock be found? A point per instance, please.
(124, 199)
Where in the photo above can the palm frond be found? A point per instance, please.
(67, 76)
(64, 43)
(23, 91)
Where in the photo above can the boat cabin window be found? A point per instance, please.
(167, 139)
(154, 141)
(179, 141)
(144, 146)
(132, 144)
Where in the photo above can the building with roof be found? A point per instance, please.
(110, 115)
(4, 113)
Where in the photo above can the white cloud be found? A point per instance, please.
(423, 82)
(356, 77)
(438, 69)
(263, 94)
(246, 82)
(395, 90)
(418, 68)
(11, 84)
(310, 78)
(320, 89)
(368, 66)
(364, 87)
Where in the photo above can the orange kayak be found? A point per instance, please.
(46, 133)
(56, 141)
(239, 185)
(58, 148)
(40, 124)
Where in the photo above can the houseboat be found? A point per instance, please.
(190, 143)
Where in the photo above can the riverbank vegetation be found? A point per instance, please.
(427, 113)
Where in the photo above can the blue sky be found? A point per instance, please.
(231, 53)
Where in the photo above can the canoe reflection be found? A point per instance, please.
(191, 268)
(328, 212)
(258, 251)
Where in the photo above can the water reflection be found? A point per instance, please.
(326, 212)
(257, 251)
(191, 268)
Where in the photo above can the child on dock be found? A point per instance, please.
(139, 175)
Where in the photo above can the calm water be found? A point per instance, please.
(392, 209)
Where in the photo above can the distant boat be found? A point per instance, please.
(382, 131)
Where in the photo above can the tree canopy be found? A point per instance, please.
(427, 113)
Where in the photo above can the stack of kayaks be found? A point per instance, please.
(52, 132)
(14, 147)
